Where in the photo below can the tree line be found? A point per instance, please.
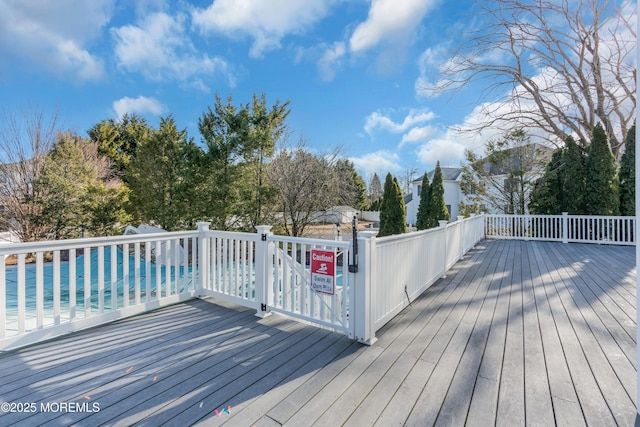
(241, 174)
(520, 177)
(584, 179)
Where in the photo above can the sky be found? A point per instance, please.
(354, 71)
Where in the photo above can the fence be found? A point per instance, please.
(396, 269)
(55, 287)
(52, 288)
(291, 293)
(613, 230)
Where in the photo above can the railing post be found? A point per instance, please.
(443, 224)
(565, 227)
(363, 317)
(264, 270)
(462, 226)
(203, 257)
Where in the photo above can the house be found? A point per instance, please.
(335, 215)
(451, 178)
(495, 172)
(508, 176)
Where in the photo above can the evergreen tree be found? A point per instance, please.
(385, 218)
(64, 181)
(257, 195)
(437, 208)
(353, 191)
(423, 207)
(601, 195)
(392, 211)
(546, 195)
(573, 179)
(375, 193)
(398, 209)
(628, 175)
(233, 189)
(119, 139)
(157, 177)
(76, 193)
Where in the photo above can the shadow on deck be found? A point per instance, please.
(518, 332)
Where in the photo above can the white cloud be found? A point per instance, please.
(330, 60)
(444, 150)
(159, 48)
(389, 21)
(139, 105)
(449, 147)
(377, 120)
(412, 126)
(267, 23)
(52, 35)
(418, 134)
(380, 162)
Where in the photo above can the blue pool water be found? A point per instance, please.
(157, 274)
(120, 286)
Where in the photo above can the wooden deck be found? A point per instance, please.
(518, 333)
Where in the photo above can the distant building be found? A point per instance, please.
(335, 215)
(536, 155)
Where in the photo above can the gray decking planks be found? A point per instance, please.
(517, 333)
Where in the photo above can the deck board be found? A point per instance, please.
(518, 333)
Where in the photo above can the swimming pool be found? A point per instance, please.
(113, 287)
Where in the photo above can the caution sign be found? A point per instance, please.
(323, 271)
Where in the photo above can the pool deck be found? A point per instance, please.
(517, 333)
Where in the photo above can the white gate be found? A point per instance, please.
(314, 296)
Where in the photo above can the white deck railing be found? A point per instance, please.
(399, 268)
(613, 230)
(229, 266)
(51, 288)
(55, 287)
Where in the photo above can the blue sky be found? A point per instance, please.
(353, 70)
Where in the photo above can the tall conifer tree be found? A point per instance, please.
(628, 175)
(437, 208)
(392, 213)
(546, 195)
(423, 208)
(399, 210)
(601, 195)
(573, 179)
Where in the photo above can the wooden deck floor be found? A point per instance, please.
(518, 333)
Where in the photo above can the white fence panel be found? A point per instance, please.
(407, 264)
(55, 287)
(614, 230)
(290, 292)
(230, 267)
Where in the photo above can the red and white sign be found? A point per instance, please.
(323, 271)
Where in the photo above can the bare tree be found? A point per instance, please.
(557, 66)
(407, 177)
(306, 184)
(503, 179)
(25, 140)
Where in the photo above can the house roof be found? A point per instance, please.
(511, 158)
(448, 174)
